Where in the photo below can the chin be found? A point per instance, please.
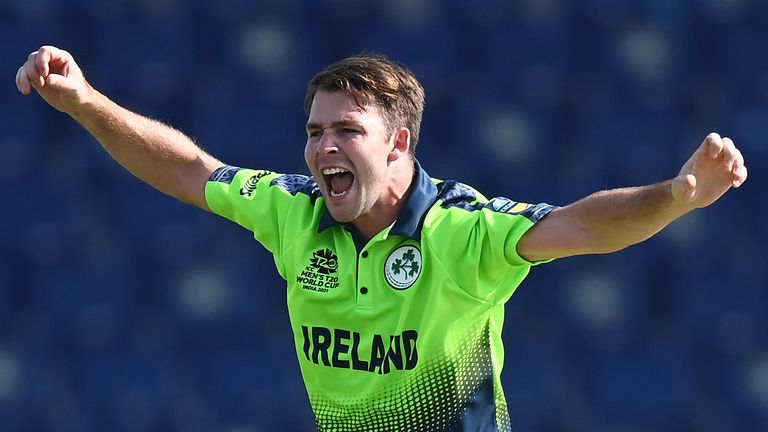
(346, 211)
(343, 216)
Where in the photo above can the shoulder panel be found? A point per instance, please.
(534, 212)
(455, 194)
(224, 174)
(297, 183)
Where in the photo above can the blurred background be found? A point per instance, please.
(124, 310)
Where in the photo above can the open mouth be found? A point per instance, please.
(338, 181)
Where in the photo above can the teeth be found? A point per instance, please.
(335, 194)
(335, 170)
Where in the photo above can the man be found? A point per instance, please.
(396, 281)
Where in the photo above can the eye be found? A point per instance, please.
(313, 133)
(349, 131)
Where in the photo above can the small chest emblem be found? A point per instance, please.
(318, 275)
(403, 267)
(324, 261)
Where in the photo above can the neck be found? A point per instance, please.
(386, 211)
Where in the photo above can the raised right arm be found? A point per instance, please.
(156, 153)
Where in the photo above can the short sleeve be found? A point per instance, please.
(477, 242)
(502, 222)
(243, 196)
(514, 219)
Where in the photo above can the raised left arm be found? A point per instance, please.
(611, 220)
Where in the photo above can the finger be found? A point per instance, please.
(714, 144)
(729, 153)
(22, 81)
(740, 176)
(739, 170)
(17, 78)
(31, 71)
(56, 81)
(45, 55)
(738, 161)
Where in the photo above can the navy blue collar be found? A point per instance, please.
(422, 195)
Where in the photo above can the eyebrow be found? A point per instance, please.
(336, 124)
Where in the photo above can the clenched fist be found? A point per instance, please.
(716, 166)
(56, 77)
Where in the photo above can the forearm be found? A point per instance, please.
(614, 219)
(154, 152)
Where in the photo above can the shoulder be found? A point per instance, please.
(296, 184)
(247, 180)
(451, 193)
(454, 214)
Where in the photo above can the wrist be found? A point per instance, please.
(681, 191)
(88, 103)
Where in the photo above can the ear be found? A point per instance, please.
(401, 143)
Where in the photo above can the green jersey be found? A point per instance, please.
(402, 332)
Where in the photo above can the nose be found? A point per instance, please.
(327, 145)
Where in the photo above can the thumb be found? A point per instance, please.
(59, 82)
(64, 93)
(684, 188)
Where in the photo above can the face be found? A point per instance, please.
(348, 150)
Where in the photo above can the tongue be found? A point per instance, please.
(341, 182)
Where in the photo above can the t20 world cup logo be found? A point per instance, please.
(325, 261)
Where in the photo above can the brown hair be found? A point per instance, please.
(375, 79)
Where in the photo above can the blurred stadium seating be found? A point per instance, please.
(123, 310)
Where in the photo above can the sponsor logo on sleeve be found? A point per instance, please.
(250, 185)
(504, 205)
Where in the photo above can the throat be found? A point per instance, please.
(340, 183)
